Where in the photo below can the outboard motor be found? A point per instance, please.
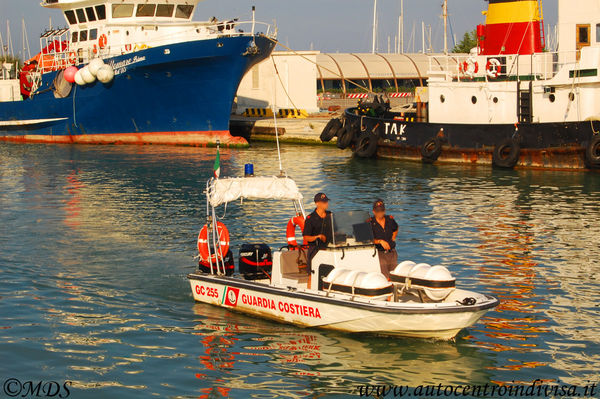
(204, 267)
(256, 261)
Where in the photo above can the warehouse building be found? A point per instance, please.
(301, 80)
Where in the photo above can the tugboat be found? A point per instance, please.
(343, 290)
(509, 102)
(132, 71)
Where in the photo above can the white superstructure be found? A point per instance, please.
(547, 87)
(114, 27)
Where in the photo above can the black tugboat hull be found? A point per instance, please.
(540, 145)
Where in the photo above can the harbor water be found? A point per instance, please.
(96, 242)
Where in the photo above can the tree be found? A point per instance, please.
(468, 42)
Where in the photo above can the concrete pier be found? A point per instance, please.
(302, 130)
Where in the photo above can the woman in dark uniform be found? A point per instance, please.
(385, 230)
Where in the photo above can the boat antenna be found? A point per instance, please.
(274, 109)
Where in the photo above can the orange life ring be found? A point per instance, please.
(95, 50)
(128, 47)
(296, 221)
(103, 41)
(203, 244)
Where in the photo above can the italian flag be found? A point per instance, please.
(217, 167)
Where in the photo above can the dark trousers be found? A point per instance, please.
(388, 260)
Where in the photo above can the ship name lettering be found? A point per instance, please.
(392, 128)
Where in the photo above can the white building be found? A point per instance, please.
(286, 79)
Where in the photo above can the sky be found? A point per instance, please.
(324, 25)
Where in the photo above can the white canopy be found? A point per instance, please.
(222, 191)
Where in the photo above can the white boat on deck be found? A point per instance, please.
(346, 290)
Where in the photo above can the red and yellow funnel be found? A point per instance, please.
(512, 27)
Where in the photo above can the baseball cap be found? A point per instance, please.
(321, 197)
(378, 205)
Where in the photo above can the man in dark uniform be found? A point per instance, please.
(385, 230)
(318, 231)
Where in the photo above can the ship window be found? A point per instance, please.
(74, 37)
(583, 34)
(93, 34)
(122, 10)
(598, 33)
(90, 14)
(474, 100)
(184, 11)
(101, 12)
(70, 14)
(165, 10)
(145, 10)
(83, 36)
(81, 15)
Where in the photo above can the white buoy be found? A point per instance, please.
(87, 75)
(79, 79)
(105, 74)
(94, 65)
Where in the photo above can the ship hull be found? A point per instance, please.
(175, 94)
(542, 145)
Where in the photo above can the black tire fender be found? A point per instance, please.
(592, 153)
(431, 150)
(330, 130)
(345, 138)
(506, 154)
(366, 145)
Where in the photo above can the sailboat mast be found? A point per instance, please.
(374, 25)
(445, 15)
(401, 27)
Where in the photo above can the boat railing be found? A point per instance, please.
(59, 52)
(535, 67)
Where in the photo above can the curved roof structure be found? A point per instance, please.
(382, 66)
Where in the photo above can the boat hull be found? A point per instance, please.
(309, 309)
(174, 94)
(542, 145)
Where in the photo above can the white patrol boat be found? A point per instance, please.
(345, 289)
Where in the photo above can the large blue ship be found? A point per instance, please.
(132, 72)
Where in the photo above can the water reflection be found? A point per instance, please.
(95, 243)
(326, 361)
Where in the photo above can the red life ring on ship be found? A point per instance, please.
(95, 50)
(493, 68)
(223, 243)
(296, 221)
(103, 41)
(470, 67)
(128, 47)
(72, 58)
